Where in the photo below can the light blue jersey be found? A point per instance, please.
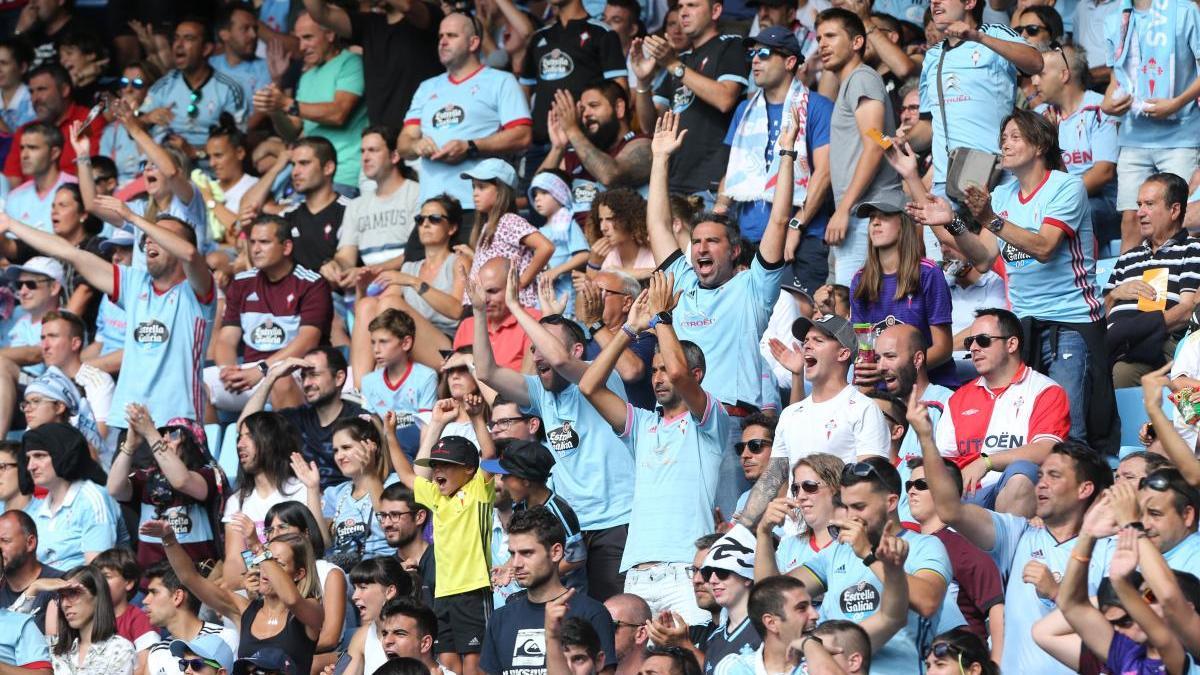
(676, 462)
(1017, 543)
(1064, 287)
(252, 75)
(795, 551)
(593, 466)
(979, 87)
(853, 593)
(21, 330)
(568, 240)
(119, 146)
(1087, 136)
(725, 322)
(910, 447)
(1181, 130)
(86, 522)
(21, 643)
(193, 213)
(197, 111)
(411, 397)
(18, 111)
(912, 11)
(166, 336)
(355, 531)
(110, 326)
(479, 105)
(25, 204)
(1185, 556)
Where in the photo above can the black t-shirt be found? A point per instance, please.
(698, 635)
(38, 609)
(396, 59)
(427, 570)
(515, 643)
(315, 235)
(45, 45)
(700, 164)
(743, 639)
(317, 441)
(569, 57)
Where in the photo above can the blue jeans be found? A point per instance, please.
(811, 266)
(986, 496)
(1065, 359)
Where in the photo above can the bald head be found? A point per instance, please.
(458, 42)
(901, 352)
(492, 276)
(628, 608)
(908, 338)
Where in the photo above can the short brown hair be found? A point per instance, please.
(395, 322)
(77, 329)
(1038, 132)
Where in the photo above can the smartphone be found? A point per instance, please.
(342, 664)
(248, 559)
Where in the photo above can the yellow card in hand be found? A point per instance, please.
(1157, 279)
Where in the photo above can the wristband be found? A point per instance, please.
(869, 559)
(596, 327)
(987, 461)
(593, 266)
(789, 153)
(957, 226)
(159, 446)
(1080, 558)
(83, 160)
(628, 330)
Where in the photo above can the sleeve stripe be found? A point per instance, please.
(1060, 225)
(614, 74)
(734, 78)
(410, 122)
(521, 122)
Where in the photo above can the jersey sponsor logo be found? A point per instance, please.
(861, 598)
(1077, 157)
(449, 116)
(268, 334)
(564, 438)
(583, 192)
(151, 333)
(179, 519)
(529, 649)
(969, 446)
(1015, 256)
(683, 99)
(556, 65)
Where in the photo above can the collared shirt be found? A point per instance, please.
(1178, 258)
(271, 313)
(196, 110)
(462, 526)
(18, 110)
(1185, 555)
(29, 206)
(85, 522)
(676, 463)
(510, 344)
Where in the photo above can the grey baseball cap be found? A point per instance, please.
(832, 325)
(888, 203)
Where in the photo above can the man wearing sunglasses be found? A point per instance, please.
(203, 655)
(39, 284)
(1167, 511)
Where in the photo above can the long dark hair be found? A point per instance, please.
(487, 221)
(104, 619)
(298, 515)
(969, 649)
(386, 571)
(274, 442)
(911, 248)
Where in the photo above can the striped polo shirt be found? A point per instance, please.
(1180, 256)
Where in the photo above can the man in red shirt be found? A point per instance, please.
(510, 344)
(50, 91)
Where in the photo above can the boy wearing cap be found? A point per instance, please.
(204, 655)
(524, 469)
(266, 661)
(448, 479)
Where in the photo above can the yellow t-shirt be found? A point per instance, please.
(462, 534)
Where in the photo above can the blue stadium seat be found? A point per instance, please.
(1133, 413)
(1104, 270)
(228, 459)
(213, 434)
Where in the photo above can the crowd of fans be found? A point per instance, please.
(655, 337)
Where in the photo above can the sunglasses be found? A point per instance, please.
(983, 339)
(1164, 480)
(919, 483)
(756, 446)
(434, 219)
(857, 471)
(761, 53)
(1029, 30)
(942, 650)
(808, 486)
(193, 109)
(31, 284)
(70, 593)
(196, 664)
(708, 572)
(136, 83)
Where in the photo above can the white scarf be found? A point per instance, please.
(748, 177)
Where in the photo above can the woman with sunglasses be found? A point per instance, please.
(616, 226)
(183, 484)
(115, 141)
(802, 518)
(897, 283)
(959, 652)
(1041, 26)
(83, 633)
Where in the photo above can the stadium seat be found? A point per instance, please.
(212, 432)
(228, 458)
(1133, 413)
(1104, 270)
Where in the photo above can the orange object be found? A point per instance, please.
(877, 136)
(1157, 279)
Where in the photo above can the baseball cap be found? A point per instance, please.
(832, 325)
(120, 238)
(267, 658)
(775, 37)
(43, 265)
(733, 552)
(452, 450)
(884, 204)
(796, 287)
(523, 459)
(209, 647)
(492, 169)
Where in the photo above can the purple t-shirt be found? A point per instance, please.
(931, 307)
(1126, 657)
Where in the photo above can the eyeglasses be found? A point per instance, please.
(5, 466)
(70, 593)
(196, 664)
(755, 446)
(136, 83)
(943, 649)
(916, 107)
(983, 339)
(1056, 47)
(384, 516)
(503, 423)
(193, 109)
(618, 624)
(605, 292)
(1162, 480)
(270, 532)
(31, 284)
(808, 486)
(30, 403)
(708, 572)
(1029, 30)
(762, 53)
(1123, 622)
(433, 218)
(919, 483)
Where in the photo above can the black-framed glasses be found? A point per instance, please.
(1162, 480)
(433, 218)
(384, 516)
(31, 284)
(193, 109)
(919, 483)
(136, 83)
(807, 486)
(983, 339)
(1124, 622)
(197, 664)
(707, 573)
(762, 53)
(755, 446)
(1055, 46)
(503, 423)
(1029, 29)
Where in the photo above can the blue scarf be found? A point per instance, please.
(1144, 60)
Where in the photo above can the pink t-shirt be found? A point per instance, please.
(506, 243)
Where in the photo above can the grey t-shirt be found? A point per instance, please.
(863, 83)
(379, 226)
(443, 282)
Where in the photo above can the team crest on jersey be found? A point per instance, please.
(449, 116)
(151, 333)
(556, 65)
(683, 99)
(583, 38)
(975, 56)
(885, 324)
(830, 427)
(268, 334)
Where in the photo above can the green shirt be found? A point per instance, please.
(343, 72)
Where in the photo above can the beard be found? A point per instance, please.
(14, 564)
(605, 135)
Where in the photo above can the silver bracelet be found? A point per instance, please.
(957, 226)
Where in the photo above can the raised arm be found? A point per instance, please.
(1177, 609)
(179, 182)
(278, 370)
(659, 299)
(1073, 600)
(194, 265)
(1183, 457)
(225, 603)
(556, 612)
(404, 469)
(94, 269)
(445, 411)
(508, 382)
(667, 139)
(178, 475)
(981, 249)
(309, 611)
(771, 246)
(567, 364)
(765, 489)
(330, 16)
(1159, 635)
(610, 406)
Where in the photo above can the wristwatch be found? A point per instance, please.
(869, 559)
(957, 226)
(294, 108)
(789, 153)
(677, 71)
(795, 224)
(995, 224)
(263, 368)
(596, 327)
(422, 288)
(472, 150)
(661, 317)
(210, 204)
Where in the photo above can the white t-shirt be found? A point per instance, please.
(848, 426)
(233, 196)
(1186, 364)
(256, 506)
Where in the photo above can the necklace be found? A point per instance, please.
(273, 618)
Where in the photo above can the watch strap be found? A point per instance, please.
(869, 559)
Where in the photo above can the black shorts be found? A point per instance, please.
(462, 621)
